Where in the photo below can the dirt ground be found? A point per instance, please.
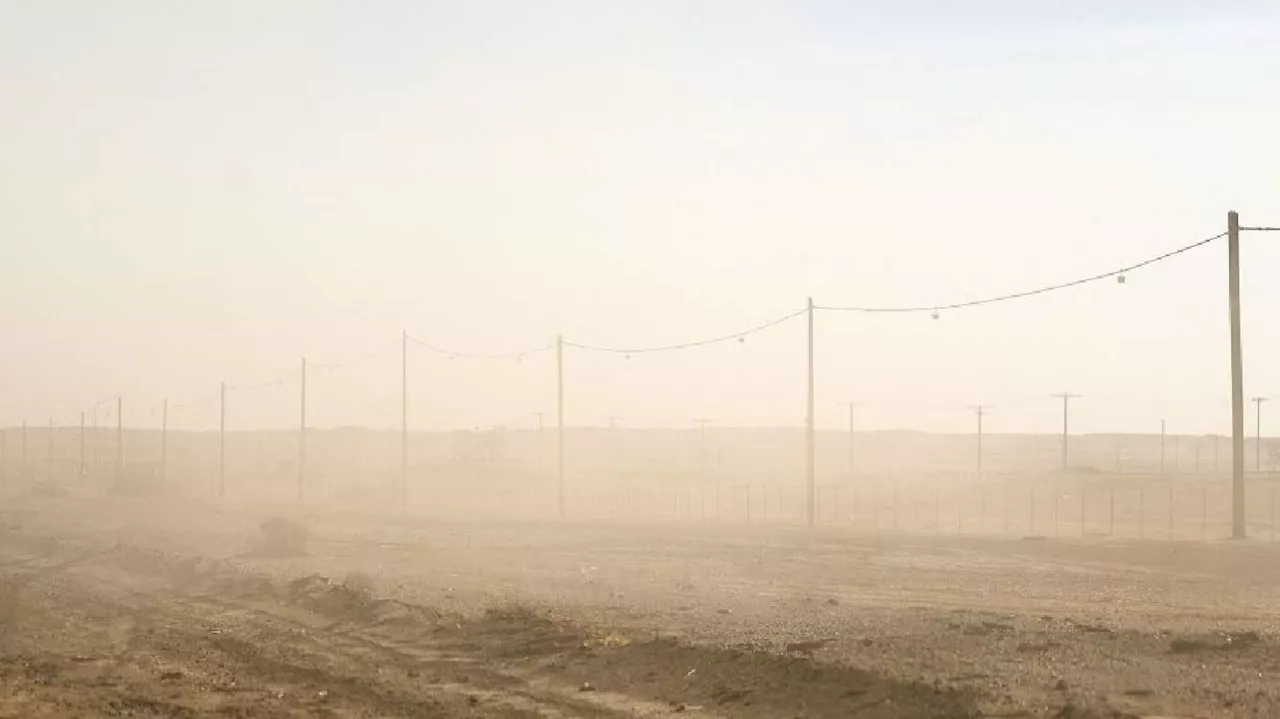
(159, 608)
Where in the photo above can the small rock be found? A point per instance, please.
(473, 700)
(678, 707)
(723, 611)
(1061, 685)
(586, 687)
(833, 602)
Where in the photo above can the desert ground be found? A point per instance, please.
(165, 607)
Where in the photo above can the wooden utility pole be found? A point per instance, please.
(404, 415)
(560, 421)
(1237, 378)
(811, 498)
(1066, 399)
(222, 440)
(981, 411)
(1257, 432)
(302, 431)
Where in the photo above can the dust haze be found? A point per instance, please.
(572, 359)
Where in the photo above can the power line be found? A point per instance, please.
(1029, 293)
(482, 356)
(277, 382)
(358, 360)
(740, 336)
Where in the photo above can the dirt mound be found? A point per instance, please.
(331, 599)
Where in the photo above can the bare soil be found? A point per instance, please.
(120, 607)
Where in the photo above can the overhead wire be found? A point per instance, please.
(352, 362)
(482, 356)
(1027, 293)
(686, 345)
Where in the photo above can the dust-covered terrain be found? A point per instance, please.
(167, 608)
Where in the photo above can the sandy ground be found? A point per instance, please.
(153, 608)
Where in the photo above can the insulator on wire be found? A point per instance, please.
(741, 339)
(1120, 279)
(936, 315)
(626, 356)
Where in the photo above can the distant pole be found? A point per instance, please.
(222, 441)
(1257, 433)
(97, 440)
(853, 456)
(404, 415)
(981, 411)
(811, 503)
(702, 445)
(119, 438)
(560, 419)
(164, 441)
(81, 468)
(302, 431)
(1237, 378)
(1066, 399)
(1162, 449)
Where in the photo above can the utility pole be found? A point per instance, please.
(981, 411)
(1257, 434)
(853, 457)
(1066, 399)
(164, 441)
(811, 494)
(1237, 378)
(404, 415)
(302, 431)
(222, 440)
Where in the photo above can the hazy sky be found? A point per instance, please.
(192, 192)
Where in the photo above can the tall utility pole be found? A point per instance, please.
(119, 437)
(560, 420)
(404, 415)
(302, 431)
(1257, 432)
(981, 411)
(164, 441)
(853, 456)
(222, 441)
(1066, 399)
(811, 493)
(1237, 378)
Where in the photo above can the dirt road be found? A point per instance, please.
(158, 609)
